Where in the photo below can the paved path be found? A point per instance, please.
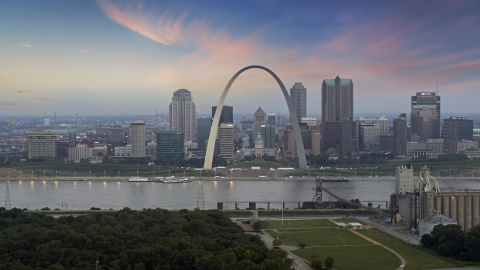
(385, 247)
(392, 231)
(300, 264)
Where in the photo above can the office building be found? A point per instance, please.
(137, 140)
(298, 95)
(400, 135)
(226, 141)
(259, 119)
(79, 152)
(226, 116)
(338, 127)
(272, 119)
(268, 135)
(170, 143)
(311, 121)
(369, 132)
(203, 131)
(310, 137)
(425, 116)
(455, 129)
(182, 115)
(41, 144)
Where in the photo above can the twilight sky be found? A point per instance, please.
(115, 57)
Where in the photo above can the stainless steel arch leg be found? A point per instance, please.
(302, 161)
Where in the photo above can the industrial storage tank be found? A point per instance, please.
(427, 224)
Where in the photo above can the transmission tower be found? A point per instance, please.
(8, 203)
(200, 200)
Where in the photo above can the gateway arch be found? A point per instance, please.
(216, 119)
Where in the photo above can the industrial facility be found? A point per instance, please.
(410, 204)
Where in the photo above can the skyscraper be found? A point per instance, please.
(425, 116)
(226, 141)
(259, 119)
(337, 115)
(170, 143)
(400, 135)
(203, 131)
(337, 99)
(137, 131)
(182, 115)
(298, 95)
(226, 116)
(455, 129)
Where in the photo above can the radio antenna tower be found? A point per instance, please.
(8, 203)
(200, 200)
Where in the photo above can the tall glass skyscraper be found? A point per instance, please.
(425, 116)
(182, 114)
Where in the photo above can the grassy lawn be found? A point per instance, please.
(310, 223)
(346, 220)
(318, 237)
(416, 259)
(365, 257)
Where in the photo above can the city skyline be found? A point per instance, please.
(89, 57)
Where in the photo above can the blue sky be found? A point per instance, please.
(115, 57)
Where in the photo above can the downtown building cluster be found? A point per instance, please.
(336, 133)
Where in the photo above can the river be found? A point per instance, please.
(82, 195)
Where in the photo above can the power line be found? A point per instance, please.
(8, 203)
(200, 200)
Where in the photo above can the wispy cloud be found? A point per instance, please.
(23, 91)
(9, 104)
(30, 45)
(85, 51)
(45, 99)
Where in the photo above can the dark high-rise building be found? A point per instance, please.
(203, 131)
(268, 134)
(170, 143)
(337, 115)
(298, 95)
(455, 129)
(337, 99)
(226, 116)
(400, 135)
(271, 119)
(425, 116)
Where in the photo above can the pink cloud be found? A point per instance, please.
(85, 51)
(380, 54)
(26, 45)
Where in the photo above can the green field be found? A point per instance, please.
(416, 259)
(363, 257)
(349, 250)
(318, 237)
(287, 224)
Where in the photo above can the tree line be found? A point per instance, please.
(451, 241)
(129, 239)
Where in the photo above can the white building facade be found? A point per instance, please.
(79, 152)
(182, 114)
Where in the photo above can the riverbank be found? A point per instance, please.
(283, 179)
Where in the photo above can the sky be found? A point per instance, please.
(128, 57)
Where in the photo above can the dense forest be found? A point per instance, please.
(451, 241)
(128, 239)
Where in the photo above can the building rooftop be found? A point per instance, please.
(342, 81)
(182, 91)
(259, 111)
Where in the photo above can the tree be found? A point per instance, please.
(472, 244)
(315, 262)
(277, 243)
(257, 226)
(329, 262)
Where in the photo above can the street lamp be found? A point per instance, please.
(89, 173)
(56, 174)
(43, 174)
(103, 174)
(96, 265)
(75, 173)
(118, 174)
